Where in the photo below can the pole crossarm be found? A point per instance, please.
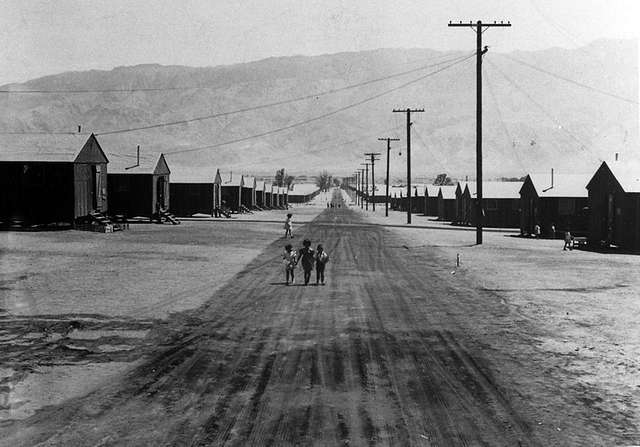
(373, 160)
(479, 28)
(408, 111)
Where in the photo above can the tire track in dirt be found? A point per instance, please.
(376, 357)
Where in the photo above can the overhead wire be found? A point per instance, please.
(282, 102)
(324, 115)
(502, 122)
(571, 81)
(581, 145)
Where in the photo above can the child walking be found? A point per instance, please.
(307, 257)
(288, 226)
(321, 260)
(290, 260)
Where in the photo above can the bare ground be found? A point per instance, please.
(393, 351)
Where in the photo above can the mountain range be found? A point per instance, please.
(560, 108)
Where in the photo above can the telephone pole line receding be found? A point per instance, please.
(373, 177)
(366, 185)
(408, 112)
(479, 28)
(386, 199)
(361, 187)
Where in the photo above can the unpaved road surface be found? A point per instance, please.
(381, 355)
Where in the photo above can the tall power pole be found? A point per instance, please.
(408, 112)
(356, 177)
(479, 28)
(361, 186)
(366, 185)
(386, 200)
(373, 177)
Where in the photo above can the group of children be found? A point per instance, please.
(307, 257)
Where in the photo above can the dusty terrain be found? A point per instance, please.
(523, 344)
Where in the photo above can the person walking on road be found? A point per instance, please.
(307, 256)
(288, 226)
(290, 260)
(321, 260)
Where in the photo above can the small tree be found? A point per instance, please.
(442, 180)
(280, 177)
(323, 181)
(288, 181)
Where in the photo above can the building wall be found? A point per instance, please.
(231, 196)
(90, 188)
(37, 192)
(131, 194)
(188, 199)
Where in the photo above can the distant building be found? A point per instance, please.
(261, 193)
(138, 186)
(501, 204)
(195, 191)
(51, 178)
(249, 192)
(431, 200)
(303, 192)
(560, 200)
(614, 202)
(232, 192)
(447, 202)
(461, 205)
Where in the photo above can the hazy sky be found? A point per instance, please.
(39, 37)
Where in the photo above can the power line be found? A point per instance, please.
(581, 144)
(504, 125)
(571, 81)
(324, 115)
(283, 102)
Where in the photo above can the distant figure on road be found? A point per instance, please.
(536, 231)
(321, 260)
(567, 240)
(290, 260)
(306, 257)
(288, 226)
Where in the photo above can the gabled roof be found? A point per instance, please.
(235, 180)
(193, 174)
(249, 182)
(501, 190)
(460, 187)
(564, 185)
(447, 191)
(627, 175)
(149, 164)
(65, 148)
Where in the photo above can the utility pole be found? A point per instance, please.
(355, 184)
(373, 177)
(479, 28)
(408, 112)
(361, 184)
(366, 185)
(386, 200)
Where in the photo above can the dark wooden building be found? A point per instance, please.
(261, 194)
(268, 195)
(302, 193)
(51, 178)
(614, 205)
(560, 200)
(447, 203)
(249, 192)
(232, 192)
(138, 187)
(195, 191)
(461, 216)
(501, 204)
(431, 200)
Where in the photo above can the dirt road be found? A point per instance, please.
(381, 355)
